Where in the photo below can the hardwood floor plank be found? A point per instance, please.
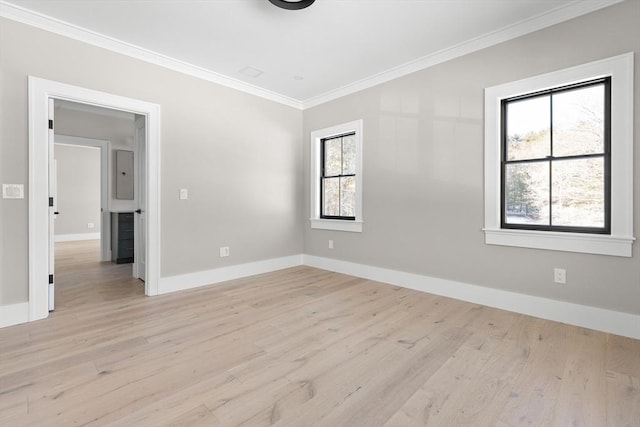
(622, 382)
(301, 347)
(340, 378)
(389, 389)
(533, 395)
(436, 402)
(178, 402)
(199, 416)
(581, 401)
(42, 367)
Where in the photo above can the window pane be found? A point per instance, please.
(578, 192)
(578, 121)
(333, 157)
(349, 155)
(527, 193)
(348, 196)
(331, 197)
(528, 128)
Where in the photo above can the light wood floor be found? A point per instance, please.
(301, 347)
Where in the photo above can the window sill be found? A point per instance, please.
(568, 242)
(337, 225)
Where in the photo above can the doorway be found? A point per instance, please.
(91, 187)
(77, 209)
(42, 93)
(74, 226)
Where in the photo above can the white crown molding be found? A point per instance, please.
(555, 16)
(535, 23)
(47, 23)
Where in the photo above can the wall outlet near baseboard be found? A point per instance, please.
(224, 251)
(560, 275)
(90, 225)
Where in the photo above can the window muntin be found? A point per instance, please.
(338, 177)
(556, 157)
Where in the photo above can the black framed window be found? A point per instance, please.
(338, 177)
(556, 159)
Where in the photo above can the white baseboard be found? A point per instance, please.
(223, 274)
(615, 322)
(74, 237)
(619, 323)
(14, 314)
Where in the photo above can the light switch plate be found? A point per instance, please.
(184, 194)
(12, 191)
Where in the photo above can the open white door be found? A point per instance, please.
(140, 190)
(52, 207)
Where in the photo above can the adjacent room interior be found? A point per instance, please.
(327, 213)
(94, 193)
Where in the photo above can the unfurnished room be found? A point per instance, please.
(356, 213)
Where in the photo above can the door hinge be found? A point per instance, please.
(50, 278)
(50, 124)
(51, 201)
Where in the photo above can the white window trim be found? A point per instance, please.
(315, 167)
(620, 241)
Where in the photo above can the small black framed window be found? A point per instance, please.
(556, 159)
(338, 177)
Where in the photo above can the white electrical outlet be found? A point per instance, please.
(224, 251)
(90, 225)
(560, 275)
(184, 194)
(330, 244)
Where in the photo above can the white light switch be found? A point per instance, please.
(12, 191)
(184, 194)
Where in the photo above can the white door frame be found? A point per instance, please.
(40, 91)
(105, 220)
(139, 154)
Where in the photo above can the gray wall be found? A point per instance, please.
(239, 156)
(423, 169)
(78, 172)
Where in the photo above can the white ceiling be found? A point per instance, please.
(303, 57)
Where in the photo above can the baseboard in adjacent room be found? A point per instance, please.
(75, 237)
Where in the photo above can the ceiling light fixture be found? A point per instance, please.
(292, 4)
